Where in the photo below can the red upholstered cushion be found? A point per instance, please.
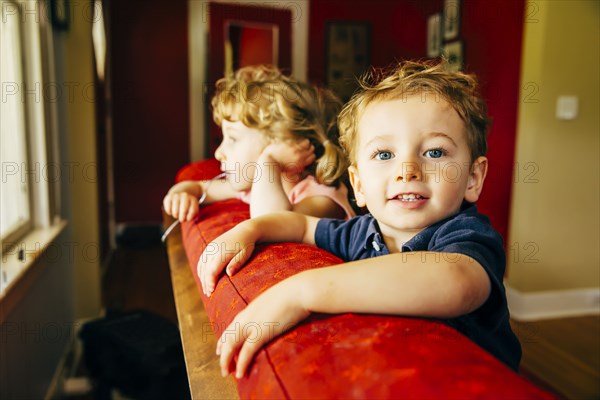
(341, 356)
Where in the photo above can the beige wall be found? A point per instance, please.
(554, 234)
(80, 150)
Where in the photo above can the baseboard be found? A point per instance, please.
(67, 364)
(531, 306)
(62, 370)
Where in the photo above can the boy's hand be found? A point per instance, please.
(230, 251)
(269, 315)
(292, 156)
(180, 204)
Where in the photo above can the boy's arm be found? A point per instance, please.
(181, 201)
(231, 250)
(424, 284)
(428, 284)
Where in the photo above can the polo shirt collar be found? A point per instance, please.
(373, 238)
(421, 240)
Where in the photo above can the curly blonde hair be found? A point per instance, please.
(416, 77)
(262, 97)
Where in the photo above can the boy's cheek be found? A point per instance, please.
(360, 199)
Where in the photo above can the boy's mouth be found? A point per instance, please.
(409, 197)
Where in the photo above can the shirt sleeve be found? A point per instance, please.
(476, 238)
(336, 236)
(489, 325)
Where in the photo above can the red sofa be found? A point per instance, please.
(341, 356)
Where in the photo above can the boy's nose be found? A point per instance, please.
(409, 171)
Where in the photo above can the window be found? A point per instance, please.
(29, 199)
(15, 214)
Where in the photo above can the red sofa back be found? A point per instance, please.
(340, 356)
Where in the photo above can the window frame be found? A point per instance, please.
(21, 249)
(14, 234)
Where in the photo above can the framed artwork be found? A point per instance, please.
(60, 14)
(451, 19)
(434, 35)
(453, 52)
(347, 55)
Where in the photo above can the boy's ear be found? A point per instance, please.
(356, 185)
(476, 178)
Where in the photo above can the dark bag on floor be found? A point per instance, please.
(138, 353)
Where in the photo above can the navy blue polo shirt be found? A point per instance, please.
(468, 233)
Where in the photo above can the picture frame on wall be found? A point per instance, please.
(453, 53)
(60, 14)
(348, 46)
(451, 19)
(434, 35)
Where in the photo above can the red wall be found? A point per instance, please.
(149, 83)
(491, 32)
(256, 47)
(395, 30)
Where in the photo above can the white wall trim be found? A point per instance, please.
(533, 306)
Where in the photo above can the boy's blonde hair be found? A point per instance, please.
(262, 97)
(424, 78)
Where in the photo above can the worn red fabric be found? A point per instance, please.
(341, 356)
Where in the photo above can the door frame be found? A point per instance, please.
(198, 14)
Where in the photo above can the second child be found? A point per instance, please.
(280, 149)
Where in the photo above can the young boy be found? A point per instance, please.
(417, 143)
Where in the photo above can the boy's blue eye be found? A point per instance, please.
(435, 153)
(383, 155)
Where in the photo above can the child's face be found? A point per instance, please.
(238, 153)
(413, 164)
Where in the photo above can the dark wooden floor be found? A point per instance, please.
(139, 278)
(562, 356)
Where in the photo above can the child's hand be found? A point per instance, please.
(230, 251)
(180, 203)
(292, 156)
(269, 315)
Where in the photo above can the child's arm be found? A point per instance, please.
(426, 284)
(181, 202)
(277, 162)
(231, 250)
(280, 162)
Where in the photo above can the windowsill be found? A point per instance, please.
(16, 275)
